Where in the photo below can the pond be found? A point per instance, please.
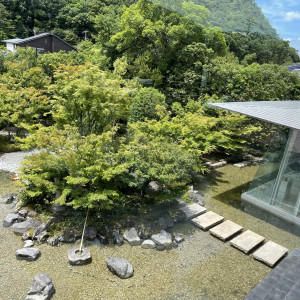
(202, 267)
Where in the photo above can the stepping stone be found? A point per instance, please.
(270, 253)
(247, 241)
(193, 210)
(29, 254)
(76, 257)
(226, 230)
(208, 220)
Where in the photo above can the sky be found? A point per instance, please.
(284, 16)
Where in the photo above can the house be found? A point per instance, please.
(276, 186)
(44, 42)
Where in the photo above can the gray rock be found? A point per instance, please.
(10, 219)
(166, 222)
(20, 228)
(145, 230)
(42, 288)
(90, 233)
(22, 213)
(29, 254)
(28, 244)
(153, 187)
(76, 257)
(53, 241)
(42, 228)
(118, 239)
(174, 244)
(148, 244)
(196, 197)
(103, 239)
(132, 237)
(119, 266)
(178, 237)
(69, 235)
(32, 213)
(160, 247)
(26, 236)
(42, 237)
(10, 198)
(162, 239)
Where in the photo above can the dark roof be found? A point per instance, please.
(35, 37)
(285, 113)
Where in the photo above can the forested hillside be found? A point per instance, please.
(231, 15)
(69, 18)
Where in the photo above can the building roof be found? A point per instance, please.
(35, 37)
(285, 113)
(13, 41)
(293, 67)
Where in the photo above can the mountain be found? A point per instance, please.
(230, 15)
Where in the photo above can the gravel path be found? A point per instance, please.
(11, 162)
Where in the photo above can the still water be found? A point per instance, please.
(202, 267)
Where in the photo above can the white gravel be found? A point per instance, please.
(11, 162)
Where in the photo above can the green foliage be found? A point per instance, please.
(88, 98)
(144, 104)
(266, 48)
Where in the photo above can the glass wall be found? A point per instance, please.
(277, 181)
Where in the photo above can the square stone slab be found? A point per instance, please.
(207, 220)
(247, 241)
(193, 210)
(226, 230)
(270, 253)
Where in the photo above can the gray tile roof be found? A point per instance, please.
(285, 113)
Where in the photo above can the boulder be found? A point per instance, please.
(69, 235)
(42, 288)
(29, 254)
(53, 241)
(22, 213)
(10, 198)
(28, 244)
(145, 230)
(119, 266)
(118, 239)
(90, 233)
(166, 222)
(42, 228)
(103, 239)
(178, 237)
(160, 247)
(153, 187)
(162, 239)
(26, 236)
(32, 213)
(174, 244)
(76, 257)
(42, 237)
(196, 197)
(148, 244)
(10, 219)
(132, 237)
(20, 228)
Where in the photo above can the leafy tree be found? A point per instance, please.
(88, 98)
(144, 104)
